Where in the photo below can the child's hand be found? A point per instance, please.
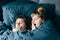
(15, 30)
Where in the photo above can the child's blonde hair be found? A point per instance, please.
(41, 13)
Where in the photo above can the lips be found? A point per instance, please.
(20, 28)
(35, 26)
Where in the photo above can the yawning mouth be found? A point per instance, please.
(35, 26)
(20, 28)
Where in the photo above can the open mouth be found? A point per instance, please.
(35, 26)
(20, 28)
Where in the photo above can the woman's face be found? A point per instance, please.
(37, 21)
(20, 24)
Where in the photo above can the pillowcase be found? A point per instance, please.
(13, 9)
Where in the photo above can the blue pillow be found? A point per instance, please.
(13, 9)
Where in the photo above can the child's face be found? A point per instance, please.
(20, 24)
(37, 21)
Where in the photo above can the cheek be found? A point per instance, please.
(38, 23)
(23, 25)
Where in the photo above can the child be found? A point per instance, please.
(19, 31)
(38, 18)
(22, 23)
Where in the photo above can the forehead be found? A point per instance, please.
(35, 16)
(19, 19)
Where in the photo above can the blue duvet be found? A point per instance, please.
(45, 32)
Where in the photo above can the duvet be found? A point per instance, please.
(45, 32)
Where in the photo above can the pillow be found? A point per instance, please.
(13, 9)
